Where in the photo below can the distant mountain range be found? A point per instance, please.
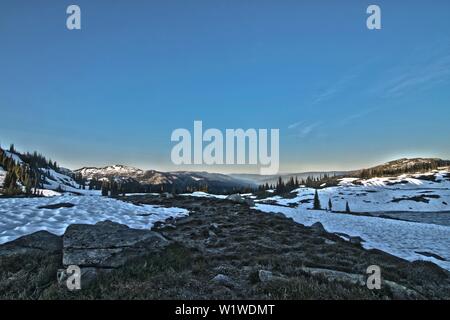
(216, 182)
(178, 179)
(57, 178)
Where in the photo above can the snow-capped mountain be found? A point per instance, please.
(110, 171)
(47, 175)
(179, 179)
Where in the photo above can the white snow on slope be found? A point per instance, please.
(2, 176)
(21, 216)
(403, 193)
(399, 238)
(200, 194)
(13, 156)
(57, 181)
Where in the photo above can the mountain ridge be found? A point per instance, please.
(57, 178)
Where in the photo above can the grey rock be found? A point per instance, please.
(88, 275)
(41, 242)
(168, 195)
(236, 198)
(108, 244)
(223, 280)
(250, 202)
(265, 276)
(318, 227)
(214, 226)
(278, 214)
(239, 199)
(211, 234)
(398, 291)
(356, 240)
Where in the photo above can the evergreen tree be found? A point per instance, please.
(347, 208)
(114, 189)
(316, 205)
(105, 188)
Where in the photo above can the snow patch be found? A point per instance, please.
(400, 238)
(2, 176)
(21, 216)
(200, 194)
(389, 194)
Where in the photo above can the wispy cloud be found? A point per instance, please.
(355, 116)
(334, 89)
(416, 75)
(303, 128)
(295, 125)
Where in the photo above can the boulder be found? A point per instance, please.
(41, 242)
(265, 276)
(214, 226)
(318, 227)
(168, 195)
(239, 199)
(356, 240)
(87, 276)
(278, 214)
(236, 198)
(398, 291)
(250, 202)
(223, 280)
(108, 244)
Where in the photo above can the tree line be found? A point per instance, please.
(22, 177)
(419, 167)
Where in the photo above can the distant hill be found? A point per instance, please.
(391, 168)
(402, 166)
(179, 181)
(33, 174)
(272, 179)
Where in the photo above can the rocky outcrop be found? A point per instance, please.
(223, 280)
(239, 199)
(398, 291)
(318, 227)
(108, 244)
(41, 242)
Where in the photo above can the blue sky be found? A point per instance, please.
(342, 96)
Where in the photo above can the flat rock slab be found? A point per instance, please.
(38, 242)
(108, 244)
(58, 206)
